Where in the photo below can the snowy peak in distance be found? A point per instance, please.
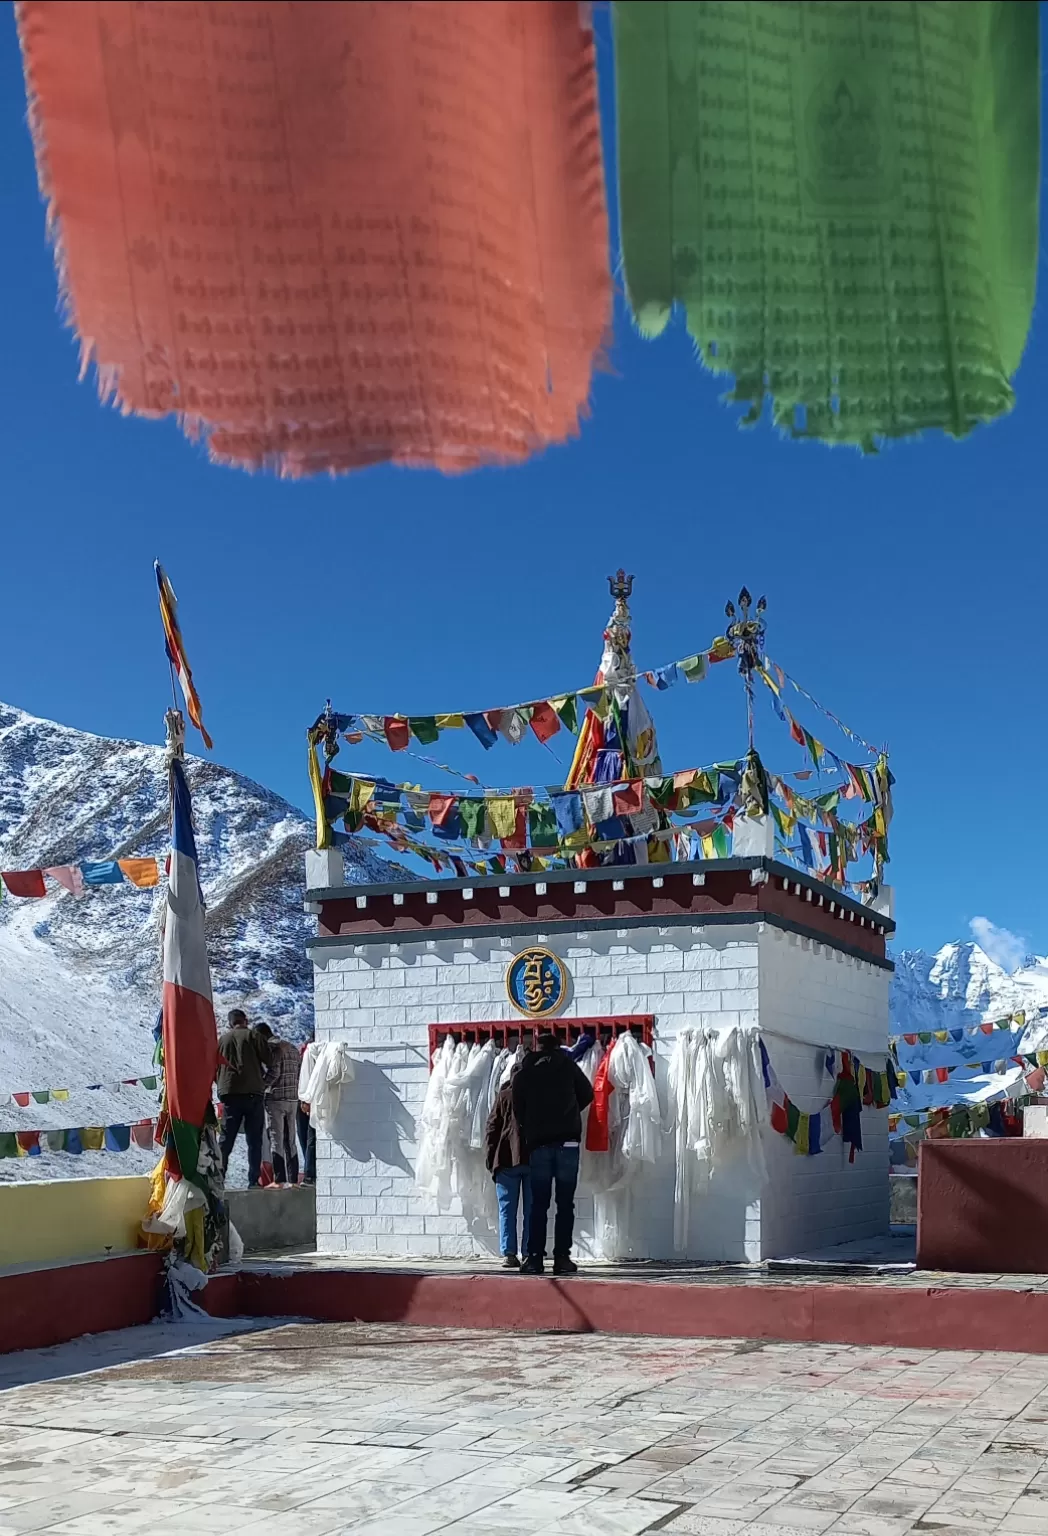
(960, 984)
(80, 979)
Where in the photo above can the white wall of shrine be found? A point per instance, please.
(380, 998)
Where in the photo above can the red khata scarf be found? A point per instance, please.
(329, 234)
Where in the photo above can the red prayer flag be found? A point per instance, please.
(778, 1118)
(332, 163)
(441, 807)
(797, 732)
(398, 732)
(942, 1074)
(545, 721)
(629, 800)
(29, 1141)
(24, 882)
(520, 831)
(21, 1099)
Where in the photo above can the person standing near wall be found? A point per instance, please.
(506, 1159)
(243, 1056)
(549, 1093)
(281, 1096)
(307, 1136)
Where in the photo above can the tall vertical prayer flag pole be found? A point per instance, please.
(190, 1039)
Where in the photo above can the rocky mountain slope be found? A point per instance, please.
(80, 978)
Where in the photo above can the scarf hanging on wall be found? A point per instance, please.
(843, 198)
(328, 235)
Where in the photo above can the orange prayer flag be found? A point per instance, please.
(140, 872)
(330, 235)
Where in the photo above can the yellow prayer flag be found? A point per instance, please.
(502, 815)
(93, 1137)
(801, 1140)
(60, 1093)
(942, 1035)
(450, 722)
(362, 794)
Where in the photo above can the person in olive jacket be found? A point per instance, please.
(506, 1159)
(243, 1057)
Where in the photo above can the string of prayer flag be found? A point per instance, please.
(78, 878)
(511, 723)
(26, 1097)
(79, 1139)
(856, 1086)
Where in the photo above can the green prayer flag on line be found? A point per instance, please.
(424, 729)
(42, 1095)
(340, 783)
(793, 1119)
(848, 215)
(472, 814)
(662, 791)
(148, 1082)
(567, 712)
(8, 1144)
(694, 668)
(542, 824)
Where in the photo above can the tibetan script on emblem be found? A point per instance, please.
(536, 982)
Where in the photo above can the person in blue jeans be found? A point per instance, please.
(549, 1093)
(507, 1161)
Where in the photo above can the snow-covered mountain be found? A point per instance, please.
(960, 984)
(80, 978)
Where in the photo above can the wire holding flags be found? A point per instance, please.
(176, 651)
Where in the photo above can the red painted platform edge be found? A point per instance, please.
(886, 1316)
(53, 1304)
(49, 1306)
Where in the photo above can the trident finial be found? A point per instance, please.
(746, 634)
(620, 585)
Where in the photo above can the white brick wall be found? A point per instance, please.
(381, 998)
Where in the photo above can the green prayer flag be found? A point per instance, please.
(472, 813)
(925, 1036)
(148, 1082)
(8, 1144)
(567, 712)
(662, 791)
(844, 200)
(424, 728)
(793, 1119)
(542, 824)
(42, 1095)
(694, 668)
(721, 845)
(340, 783)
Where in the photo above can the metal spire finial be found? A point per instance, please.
(746, 634)
(747, 639)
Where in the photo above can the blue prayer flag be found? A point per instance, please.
(108, 872)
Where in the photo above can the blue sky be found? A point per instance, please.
(902, 589)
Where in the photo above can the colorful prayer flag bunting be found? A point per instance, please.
(74, 878)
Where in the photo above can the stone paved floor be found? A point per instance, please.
(305, 1428)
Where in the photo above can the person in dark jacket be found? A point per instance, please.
(243, 1057)
(506, 1159)
(549, 1093)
